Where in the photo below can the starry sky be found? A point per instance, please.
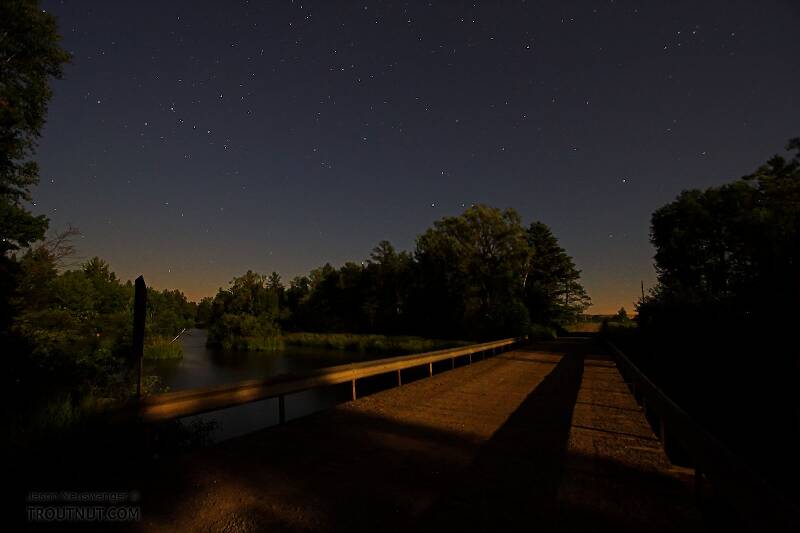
(190, 141)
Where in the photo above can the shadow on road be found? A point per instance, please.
(514, 480)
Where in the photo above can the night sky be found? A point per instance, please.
(192, 141)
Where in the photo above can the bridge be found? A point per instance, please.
(500, 436)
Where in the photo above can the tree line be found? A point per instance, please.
(479, 275)
(716, 330)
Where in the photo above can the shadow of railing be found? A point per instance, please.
(728, 489)
(512, 487)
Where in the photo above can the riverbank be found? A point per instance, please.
(160, 347)
(351, 342)
(369, 343)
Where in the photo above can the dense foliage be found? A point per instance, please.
(478, 275)
(732, 250)
(715, 326)
(72, 328)
(30, 55)
(728, 257)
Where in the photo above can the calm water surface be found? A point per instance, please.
(202, 366)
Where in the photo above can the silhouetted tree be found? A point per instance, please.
(553, 292)
(731, 252)
(296, 297)
(389, 282)
(204, 311)
(472, 269)
(728, 265)
(30, 55)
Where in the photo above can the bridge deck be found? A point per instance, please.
(538, 438)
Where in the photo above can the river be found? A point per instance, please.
(202, 366)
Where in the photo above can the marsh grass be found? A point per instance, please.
(257, 343)
(583, 327)
(369, 343)
(158, 347)
(538, 332)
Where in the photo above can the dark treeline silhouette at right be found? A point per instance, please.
(717, 331)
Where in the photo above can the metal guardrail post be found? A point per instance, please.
(282, 409)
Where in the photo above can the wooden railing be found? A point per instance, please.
(172, 405)
(717, 470)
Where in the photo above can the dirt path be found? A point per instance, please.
(491, 445)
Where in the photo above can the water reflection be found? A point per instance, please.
(202, 366)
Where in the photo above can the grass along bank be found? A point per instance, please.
(159, 347)
(369, 343)
(379, 344)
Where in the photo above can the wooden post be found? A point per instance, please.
(430, 370)
(281, 409)
(354, 390)
(452, 363)
(139, 313)
(470, 358)
(399, 378)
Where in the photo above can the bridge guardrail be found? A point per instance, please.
(173, 405)
(729, 477)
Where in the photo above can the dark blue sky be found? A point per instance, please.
(191, 141)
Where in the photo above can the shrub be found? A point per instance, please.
(242, 331)
(538, 332)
